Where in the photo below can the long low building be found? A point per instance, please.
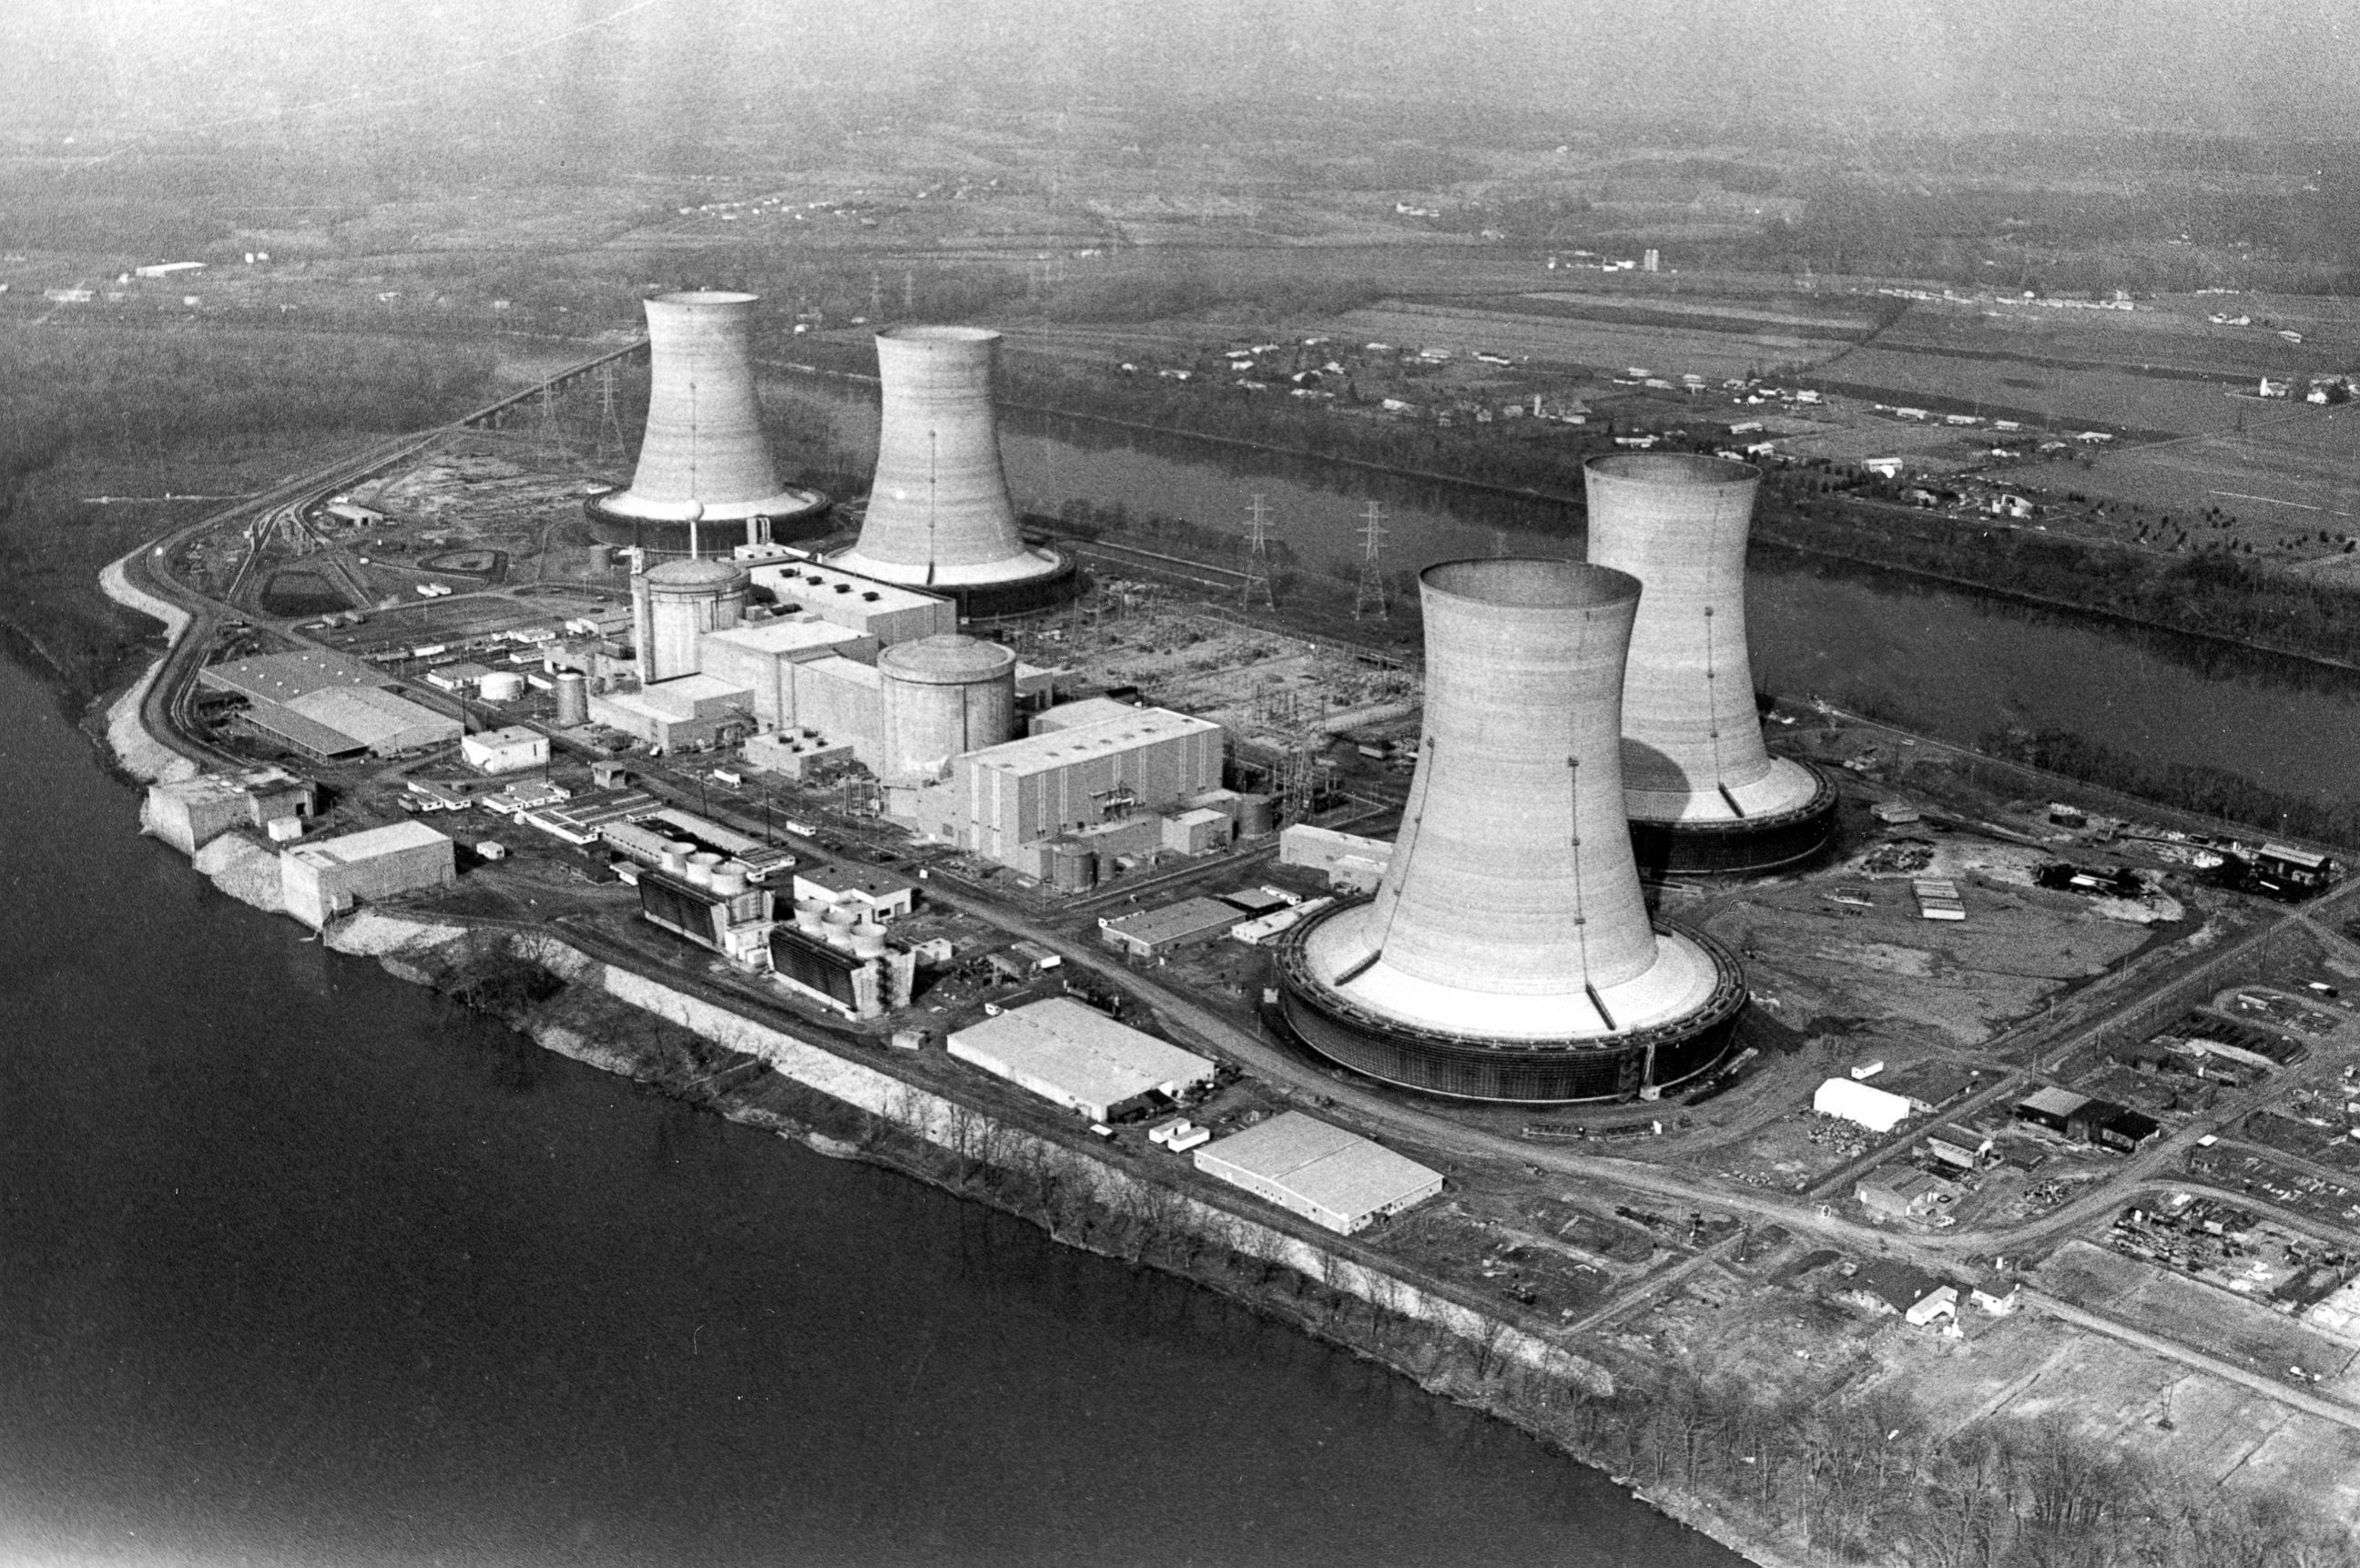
(1079, 1057)
(1332, 1177)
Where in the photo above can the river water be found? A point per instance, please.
(1956, 664)
(299, 1265)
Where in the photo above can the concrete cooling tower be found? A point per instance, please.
(703, 455)
(1704, 794)
(1508, 953)
(939, 517)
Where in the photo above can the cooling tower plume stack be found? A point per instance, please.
(939, 516)
(1704, 793)
(703, 455)
(1508, 952)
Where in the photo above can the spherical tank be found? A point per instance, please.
(939, 513)
(943, 695)
(704, 447)
(1509, 926)
(1693, 756)
(685, 600)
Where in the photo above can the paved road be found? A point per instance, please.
(2302, 1400)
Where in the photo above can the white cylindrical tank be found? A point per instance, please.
(729, 878)
(939, 513)
(869, 941)
(678, 603)
(704, 453)
(810, 916)
(940, 696)
(503, 685)
(1692, 738)
(572, 699)
(699, 867)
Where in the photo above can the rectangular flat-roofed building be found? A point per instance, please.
(678, 715)
(882, 610)
(1079, 1057)
(369, 719)
(759, 656)
(2054, 1109)
(278, 677)
(321, 880)
(1332, 1177)
(1152, 932)
(1139, 763)
(510, 750)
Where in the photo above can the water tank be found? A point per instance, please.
(503, 685)
(940, 696)
(1257, 816)
(1073, 868)
(572, 699)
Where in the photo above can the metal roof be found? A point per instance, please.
(278, 677)
(1321, 1164)
(2054, 1102)
(1058, 748)
(1087, 1056)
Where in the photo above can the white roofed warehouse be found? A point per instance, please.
(1079, 1057)
(1874, 1109)
(318, 881)
(1332, 1177)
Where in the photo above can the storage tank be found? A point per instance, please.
(572, 699)
(1508, 952)
(1703, 791)
(939, 516)
(940, 696)
(1257, 816)
(1073, 867)
(703, 458)
(676, 604)
(503, 685)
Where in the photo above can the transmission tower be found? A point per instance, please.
(610, 422)
(909, 292)
(1368, 594)
(876, 295)
(1257, 574)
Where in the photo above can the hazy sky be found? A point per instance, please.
(2272, 65)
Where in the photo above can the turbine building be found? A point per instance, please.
(1508, 952)
(703, 458)
(1704, 794)
(939, 516)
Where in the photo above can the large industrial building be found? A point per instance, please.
(322, 880)
(188, 814)
(790, 580)
(329, 706)
(1703, 791)
(1080, 1059)
(939, 516)
(1332, 1177)
(1508, 952)
(703, 462)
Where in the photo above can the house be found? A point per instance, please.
(1890, 1286)
(1997, 1294)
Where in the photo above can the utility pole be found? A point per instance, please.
(1257, 573)
(1368, 594)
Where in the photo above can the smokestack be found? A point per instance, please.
(1703, 791)
(939, 515)
(703, 455)
(1508, 952)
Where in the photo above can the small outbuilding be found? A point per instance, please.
(1857, 1103)
(510, 750)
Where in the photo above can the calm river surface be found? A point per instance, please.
(299, 1265)
(1958, 665)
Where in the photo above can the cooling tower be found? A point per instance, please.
(704, 446)
(939, 517)
(1508, 953)
(1704, 793)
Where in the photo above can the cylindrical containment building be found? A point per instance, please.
(942, 696)
(679, 602)
(703, 456)
(1508, 953)
(1704, 793)
(939, 516)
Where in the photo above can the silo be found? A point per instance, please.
(942, 696)
(704, 454)
(1508, 953)
(1704, 793)
(939, 516)
(679, 602)
(572, 699)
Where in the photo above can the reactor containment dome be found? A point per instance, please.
(1704, 794)
(703, 457)
(1508, 953)
(939, 517)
